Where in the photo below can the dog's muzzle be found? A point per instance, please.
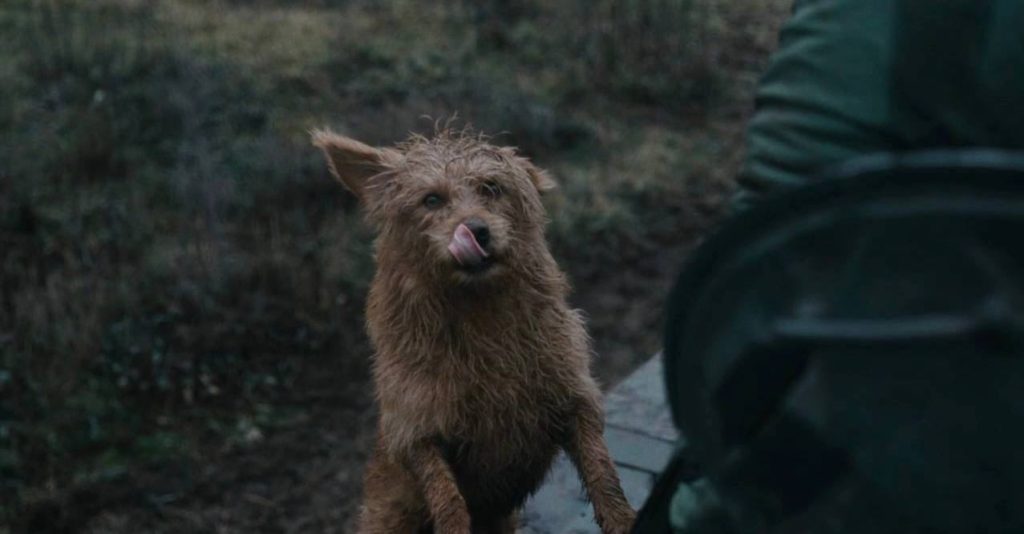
(469, 244)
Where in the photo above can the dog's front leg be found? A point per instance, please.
(587, 450)
(447, 508)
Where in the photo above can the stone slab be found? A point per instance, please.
(641, 440)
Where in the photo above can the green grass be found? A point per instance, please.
(174, 251)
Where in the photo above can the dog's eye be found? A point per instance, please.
(433, 201)
(490, 190)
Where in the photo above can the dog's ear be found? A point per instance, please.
(351, 162)
(540, 178)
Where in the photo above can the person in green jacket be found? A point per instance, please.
(852, 78)
(855, 77)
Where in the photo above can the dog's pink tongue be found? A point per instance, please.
(464, 247)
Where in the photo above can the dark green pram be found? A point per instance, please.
(848, 356)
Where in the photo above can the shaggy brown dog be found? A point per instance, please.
(481, 369)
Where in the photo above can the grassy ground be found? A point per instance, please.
(181, 283)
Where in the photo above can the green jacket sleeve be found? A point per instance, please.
(854, 77)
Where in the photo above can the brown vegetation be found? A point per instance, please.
(181, 283)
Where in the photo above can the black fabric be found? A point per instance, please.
(857, 345)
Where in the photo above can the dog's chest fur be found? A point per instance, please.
(494, 382)
(475, 375)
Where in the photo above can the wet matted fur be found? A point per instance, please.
(481, 368)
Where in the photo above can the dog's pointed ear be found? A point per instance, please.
(351, 162)
(541, 179)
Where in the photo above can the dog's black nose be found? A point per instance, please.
(480, 231)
